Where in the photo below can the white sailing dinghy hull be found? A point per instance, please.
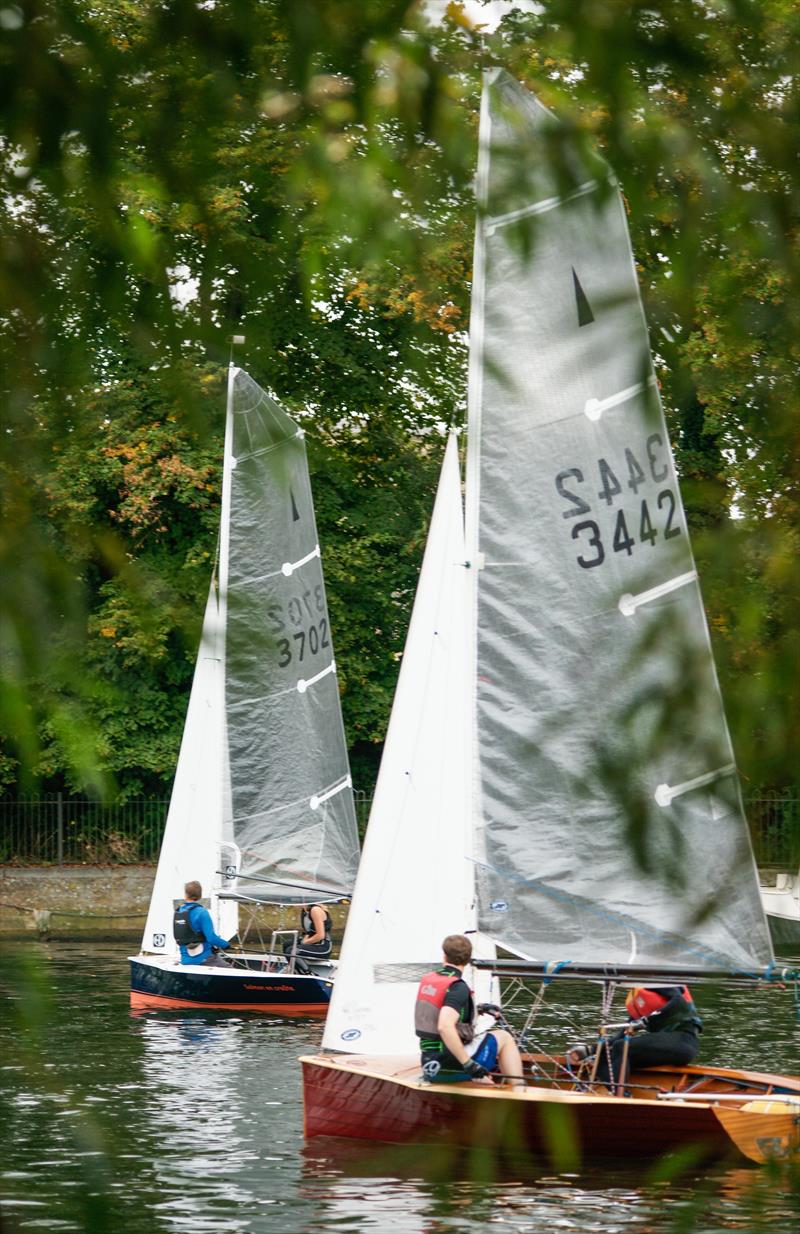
(569, 664)
(782, 906)
(262, 806)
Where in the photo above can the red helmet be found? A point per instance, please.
(643, 1001)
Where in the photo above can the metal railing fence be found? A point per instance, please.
(774, 820)
(59, 828)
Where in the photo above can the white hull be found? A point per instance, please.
(782, 906)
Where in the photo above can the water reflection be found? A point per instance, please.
(369, 1187)
(192, 1121)
(191, 1068)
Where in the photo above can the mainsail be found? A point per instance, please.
(262, 805)
(288, 804)
(609, 820)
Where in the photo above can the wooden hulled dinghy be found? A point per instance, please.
(558, 779)
(721, 1112)
(262, 806)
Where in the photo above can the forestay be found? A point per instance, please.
(416, 878)
(610, 825)
(288, 803)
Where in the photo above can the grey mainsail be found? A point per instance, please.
(607, 810)
(288, 796)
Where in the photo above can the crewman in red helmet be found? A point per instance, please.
(672, 1026)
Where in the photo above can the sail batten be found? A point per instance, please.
(608, 820)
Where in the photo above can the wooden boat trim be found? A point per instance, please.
(407, 1074)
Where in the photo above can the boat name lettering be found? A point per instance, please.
(268, 988)
(655, 516)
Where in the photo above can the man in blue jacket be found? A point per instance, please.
(194, 931)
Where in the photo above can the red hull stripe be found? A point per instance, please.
(140, 1001)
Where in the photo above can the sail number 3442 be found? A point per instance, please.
(656, 516)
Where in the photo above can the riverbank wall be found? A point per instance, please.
(75, 903)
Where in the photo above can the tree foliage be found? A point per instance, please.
(300, 171)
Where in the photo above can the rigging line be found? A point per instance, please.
(629, 603)
(281, 882)
(618, 919)
(544, 206)
(665, 793)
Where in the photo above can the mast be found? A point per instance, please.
(225, 911)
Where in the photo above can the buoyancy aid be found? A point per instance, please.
(430, 999)
(184, 932)
(643, 1002)
(307, 921)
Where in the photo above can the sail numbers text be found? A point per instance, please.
(301, 637)
(652, 517)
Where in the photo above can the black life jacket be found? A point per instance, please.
(307, 921)
(184, 932)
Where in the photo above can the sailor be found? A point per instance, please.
(315, 933)
(194, 931)
(671, 1027)
(443, 1020)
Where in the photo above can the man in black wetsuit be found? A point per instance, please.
(443, 1020)
(672, 1025)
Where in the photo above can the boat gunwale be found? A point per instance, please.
(468, 1088)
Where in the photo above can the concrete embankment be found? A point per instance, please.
(98, 902)
(74, 901)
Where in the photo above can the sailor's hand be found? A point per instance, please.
(235, 941)
(489, 1009)
(474, 1070)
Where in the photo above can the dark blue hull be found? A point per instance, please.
(154, 985)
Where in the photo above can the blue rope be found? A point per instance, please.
(554, 969)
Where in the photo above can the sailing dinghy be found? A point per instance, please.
(262, 806)
(557, 684)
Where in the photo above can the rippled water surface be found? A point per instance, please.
(193, 1121)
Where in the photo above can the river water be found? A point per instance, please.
(192, 1121)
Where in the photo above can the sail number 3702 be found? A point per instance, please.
(302, 623)
(656, 515)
